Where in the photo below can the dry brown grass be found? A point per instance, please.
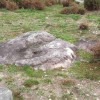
(81, 11)
(69, 10)
(96, 51)
(27, 4)
(66, 3)
(68, 82)
(73, 8)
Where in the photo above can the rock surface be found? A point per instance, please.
(86, 44)
(38, 49)
(5, 94)
(80, 1)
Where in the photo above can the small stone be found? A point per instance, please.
(5, 94)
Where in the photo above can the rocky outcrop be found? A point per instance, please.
(86, 44)
(38, 49)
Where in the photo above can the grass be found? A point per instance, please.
(24, 79)
(47, 80)
(84, 70)
(67, 97)
(84, 55)
(50, 19)
(30, 83)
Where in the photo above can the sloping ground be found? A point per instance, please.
(80, 82)
(57, 84)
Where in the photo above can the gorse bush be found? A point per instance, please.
(92, 4)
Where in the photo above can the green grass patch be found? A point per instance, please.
(85, 70)
(33, 73)
(67, 97)
(84, 55)
(30, 83)
(24, 20)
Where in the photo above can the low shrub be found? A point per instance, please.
(30, 83)
(96, 51)
(69, 10)
(81, 11)
(10, 5)
(26, 4)
(73, 9)
(92, 4)
(83, 26)
(39, 5)
(66, 3)
(68, 82)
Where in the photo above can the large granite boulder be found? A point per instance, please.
(38, 49)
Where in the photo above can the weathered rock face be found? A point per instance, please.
(86, 44)
(38, 49)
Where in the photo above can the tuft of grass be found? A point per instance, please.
(1, 67)
(33, 73)
(30, 83)
(67, 97)
(84, 55)
(48, 81)
(17, 94)
(9, 80)
(0, 79)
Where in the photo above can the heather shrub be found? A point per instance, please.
(69, 10)
(83, 26)
(92, 4)
(2, 3)
(39, 5)
(73, 8)
(96, 51)
(10, 5)
(81, 11)
(26, 4)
